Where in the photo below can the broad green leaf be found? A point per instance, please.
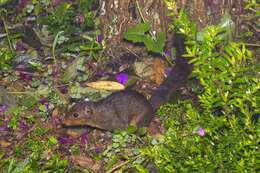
(3, 2)
(7, 98)
(137, 34)
(71, 72)
(28, 100)
(155, 45)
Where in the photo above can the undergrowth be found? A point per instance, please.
(222, 135)
(219, 135)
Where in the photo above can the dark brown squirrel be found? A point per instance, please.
(128, 107)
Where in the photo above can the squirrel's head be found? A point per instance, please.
(80, 114)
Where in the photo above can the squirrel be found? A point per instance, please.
(128, 107)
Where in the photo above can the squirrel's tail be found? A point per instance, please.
(177, 77)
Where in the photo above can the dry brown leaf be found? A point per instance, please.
(4, 143)
(86, 162)
(55, 112)
(159, 70)
(75, 132)
(64, 97)
(106, 85)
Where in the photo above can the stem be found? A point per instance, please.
(21, 92)
(8, 37)
(122, 164)
(139, 10)
(141, 14)
(252, 44)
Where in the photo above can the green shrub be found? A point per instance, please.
(223, 134)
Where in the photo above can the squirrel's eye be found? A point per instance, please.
(75, 114)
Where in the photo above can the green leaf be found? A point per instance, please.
(71, 71)
(228, 25)
(7, 98)
(53, 140)
(131, 129)
(155, 45)
(137, 34)
(3, 2)
(20, 167)
(29, 100)
(10, 167)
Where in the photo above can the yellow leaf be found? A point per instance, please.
(86, 162)
(106, 85)
(4, 143)
(159, 71)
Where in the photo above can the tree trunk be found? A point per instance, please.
(117, 16)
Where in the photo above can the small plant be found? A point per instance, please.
(223, 135)
(122, 149)
(69, 20)
(139, 34)
(5, 59)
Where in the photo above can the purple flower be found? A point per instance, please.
(23, 74)
(3, 108)
(84, 138)
(201, 131)
(65, 140)
(168, 71)
(46, 106)
(98, 149)
(20, 46)
(122, 78)
(99, 38)
(55, 121)
(21, 4)
(42, 100)
(4, 127)
(55, 2)
(63, 89)
(81, 18)
(167, 53)
(23, 125)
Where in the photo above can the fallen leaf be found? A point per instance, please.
(71, 71)
(4, 143)
(86, 162)
(106, 85)
(144, 69)
(63, 97)
(55, 112)
(7, 98)
(74, 132)
(159, 70)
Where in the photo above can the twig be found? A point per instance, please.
(252, 44)
(21, 92)
(122, 164)
(141, 14)
(139, 10)
(8, 37)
